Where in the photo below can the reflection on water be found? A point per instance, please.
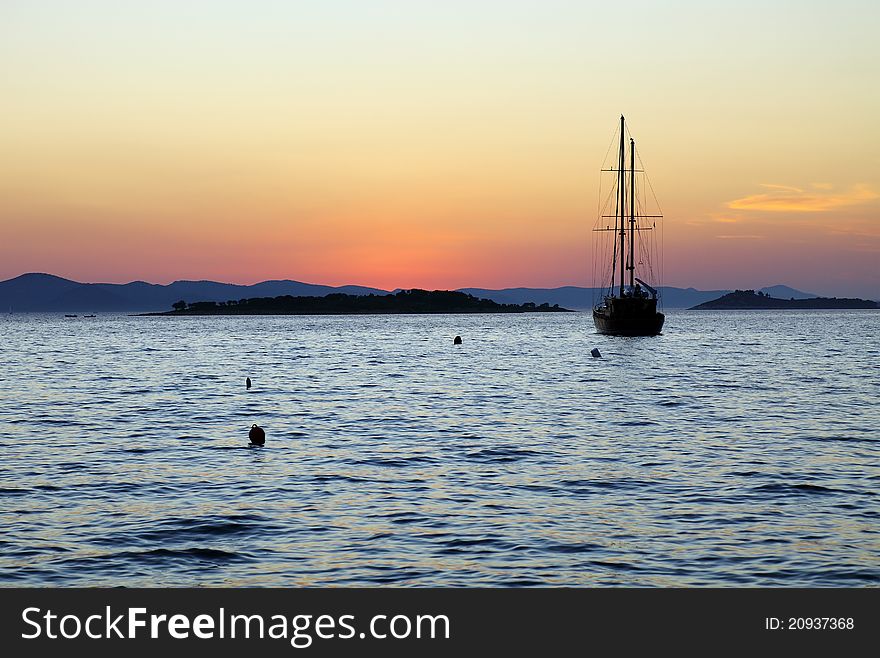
(737, 449)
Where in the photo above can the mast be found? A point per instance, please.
(632, 210)
(621, 184)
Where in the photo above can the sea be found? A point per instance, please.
(738, 448)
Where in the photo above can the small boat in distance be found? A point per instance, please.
(70, 316)
(629, 304)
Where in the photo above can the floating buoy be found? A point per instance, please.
(247, 383)
(257, 435)
(595, 352)
(456, 340)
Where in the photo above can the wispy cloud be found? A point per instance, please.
(784, 198)
(713, 218)
(740, 237)
(783, 188)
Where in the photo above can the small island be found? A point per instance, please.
(405, 301)
(749, 300)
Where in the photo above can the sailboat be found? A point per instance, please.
(629, 303)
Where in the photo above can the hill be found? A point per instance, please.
(741, 300)
(785, 292)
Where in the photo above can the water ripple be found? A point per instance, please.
(735, 449)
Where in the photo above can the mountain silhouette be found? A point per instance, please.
(575, 297)
(784, 292)
(48, 293)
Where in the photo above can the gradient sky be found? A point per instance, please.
(436, 144)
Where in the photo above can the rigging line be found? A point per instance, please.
(617, 204)
(596, 243)
(648, 179)
(593, 240)
(661, 238)
(597, 277)
(610, 144)
(655, 238)
(645, 244)
(598, 223)
(599, 265)
(660, 267)
(644, 251)
(600, 249)
(628, 129)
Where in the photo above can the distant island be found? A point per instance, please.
(405, 301)
(747, 300)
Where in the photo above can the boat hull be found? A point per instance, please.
(628, 317)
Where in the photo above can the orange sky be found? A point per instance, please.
(400, 144)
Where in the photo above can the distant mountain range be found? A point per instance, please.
(47, 293)
(584, 298)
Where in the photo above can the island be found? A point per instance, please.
(749, 300)
(404, 301)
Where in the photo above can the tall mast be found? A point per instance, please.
(621, 184)
(632, 211)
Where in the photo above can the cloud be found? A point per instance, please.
(784, 188)
(740, 237)
(714, 218)
(784, 198)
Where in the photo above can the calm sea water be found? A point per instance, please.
(739, 448)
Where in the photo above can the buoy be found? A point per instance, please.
(456, 340)
(248, 382)
(257, 435)
(595, 352)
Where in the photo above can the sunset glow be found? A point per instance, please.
(437, 145)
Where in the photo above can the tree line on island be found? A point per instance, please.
(404, 301)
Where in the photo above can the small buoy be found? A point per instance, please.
(595, 352)
(257, 435)
(247, 383)
(456, 340)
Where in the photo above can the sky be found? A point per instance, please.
(398, 143)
